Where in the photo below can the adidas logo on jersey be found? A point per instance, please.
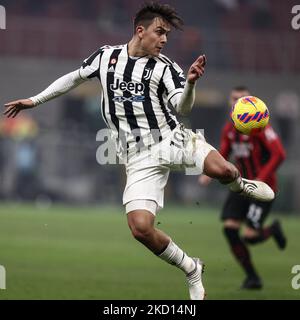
(111, 69)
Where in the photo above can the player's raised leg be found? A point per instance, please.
(215, 166)
(141, 224)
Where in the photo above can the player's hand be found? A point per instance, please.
(14, 107)
(204, 180)
(196, 69)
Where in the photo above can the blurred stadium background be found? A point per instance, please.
(48, 156)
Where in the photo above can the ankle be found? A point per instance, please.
(236, 185)
(176, 256)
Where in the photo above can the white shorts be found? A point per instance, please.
(148, 205)
(148, 170)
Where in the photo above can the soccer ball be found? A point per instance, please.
(249, 114)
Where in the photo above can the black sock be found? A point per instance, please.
(263, 235)
(239, 250)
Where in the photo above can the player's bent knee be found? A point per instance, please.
(141, 233)
(232, 223)
(250, 233)
(140, 223)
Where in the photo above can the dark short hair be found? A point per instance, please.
(152, 10)
(240, 88)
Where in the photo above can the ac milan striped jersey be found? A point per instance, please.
(135, 94)
(257, 156)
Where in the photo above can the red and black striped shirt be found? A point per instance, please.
(257, 156)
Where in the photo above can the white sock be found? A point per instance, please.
(174, 255)
(236, 185)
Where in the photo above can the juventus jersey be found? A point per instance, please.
(135, 94)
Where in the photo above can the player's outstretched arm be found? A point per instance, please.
(57, 88)
(187, 98)
(14, 107)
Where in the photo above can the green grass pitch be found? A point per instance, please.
(88, 253)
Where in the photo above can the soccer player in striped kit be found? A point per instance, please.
(257, 156)
(138, 85)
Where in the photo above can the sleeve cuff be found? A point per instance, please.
(173, 95)
(34, 100)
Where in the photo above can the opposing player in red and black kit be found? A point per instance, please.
(257, 157)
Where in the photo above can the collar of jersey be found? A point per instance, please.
(135, 58)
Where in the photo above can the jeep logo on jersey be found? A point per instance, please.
(132, 87)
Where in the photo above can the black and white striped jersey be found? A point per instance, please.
(135, 94)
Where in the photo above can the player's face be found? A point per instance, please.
(154, 37)
(235, 95)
